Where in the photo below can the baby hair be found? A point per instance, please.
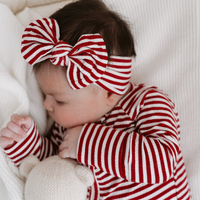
(92, 16)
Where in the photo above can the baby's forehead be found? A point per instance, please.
(46, 68)
(49, 77)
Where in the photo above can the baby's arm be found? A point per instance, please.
(147, 155)
(32, 143)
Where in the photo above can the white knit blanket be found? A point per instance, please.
(167, 38)
(19, 93)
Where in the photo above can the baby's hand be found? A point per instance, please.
(68, 147)
(16, 130)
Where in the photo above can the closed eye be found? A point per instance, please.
(61, 102)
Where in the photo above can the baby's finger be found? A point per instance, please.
(27, 123)
(5, 142)
(65, 153)
(63, 145)
(5, 132)
(17, 119)
(16, 129)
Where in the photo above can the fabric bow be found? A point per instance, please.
(87, 61)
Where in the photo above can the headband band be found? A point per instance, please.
(87, 61)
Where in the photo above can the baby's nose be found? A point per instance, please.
(48, 105)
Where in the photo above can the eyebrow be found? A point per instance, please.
(52, 93)
(56, 92)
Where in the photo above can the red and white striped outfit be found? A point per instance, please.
(133, 151)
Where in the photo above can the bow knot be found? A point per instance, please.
(60, 53)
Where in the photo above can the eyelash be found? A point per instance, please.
(60, 102)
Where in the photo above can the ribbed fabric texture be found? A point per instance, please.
(136, 153)
(35, 144)
(167, 41)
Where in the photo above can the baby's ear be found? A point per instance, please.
(85, 175)
(28, 164)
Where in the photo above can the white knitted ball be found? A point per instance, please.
(56, 178)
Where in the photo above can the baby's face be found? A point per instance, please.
(68, 107)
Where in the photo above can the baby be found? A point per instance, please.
(127, 134)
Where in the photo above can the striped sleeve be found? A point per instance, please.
(146, 155)
(34, 144)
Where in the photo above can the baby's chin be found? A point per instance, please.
(68, 125)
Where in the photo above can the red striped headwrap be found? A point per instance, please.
(87, 61)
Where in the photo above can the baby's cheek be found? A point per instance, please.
(63, 119)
